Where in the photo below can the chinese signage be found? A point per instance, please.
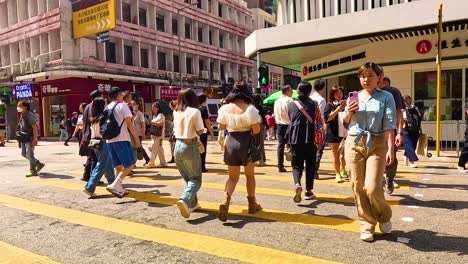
(425, 46)
(103, 37)
(169, 93)
(92, 16)
(23, 91)
(49, 90)
(324, 65)
(104, 87)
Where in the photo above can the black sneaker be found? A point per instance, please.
(171, 161)
(389, 186)
(282, 169)
(309, 195)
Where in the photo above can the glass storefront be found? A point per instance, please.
(425, 92)
(55, 110)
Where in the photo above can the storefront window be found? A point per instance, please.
(425, 92)
(55, 110)
(349, 83)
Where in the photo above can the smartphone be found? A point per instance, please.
(353, 97)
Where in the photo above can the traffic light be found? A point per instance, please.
(263, 73)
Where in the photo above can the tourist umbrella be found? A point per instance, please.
(272, 98)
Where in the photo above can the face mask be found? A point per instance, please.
(19, 109)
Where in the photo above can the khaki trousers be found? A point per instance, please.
(366, 167)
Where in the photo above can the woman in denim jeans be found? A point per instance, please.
(188, 126)
(104, 164)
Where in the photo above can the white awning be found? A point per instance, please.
(294, 44)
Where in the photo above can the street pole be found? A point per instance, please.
(439, 70)
(258, 74)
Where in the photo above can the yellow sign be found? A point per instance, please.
(94, 19)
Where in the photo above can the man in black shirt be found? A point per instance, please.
(71, 124)
(390, 170)
(207, 123)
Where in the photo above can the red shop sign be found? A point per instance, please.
(423, 46)
(169, 93)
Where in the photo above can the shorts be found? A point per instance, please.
(2, 133)
(121, 153)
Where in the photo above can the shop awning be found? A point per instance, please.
(291, 45)
(60, 74)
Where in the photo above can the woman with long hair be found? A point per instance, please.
(157, 136)
(336, 105)
(371, 121)
(241, 119)
(188, 126)
(104, 163)
(300, 137)
(411, 131)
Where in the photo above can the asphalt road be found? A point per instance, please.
(49, 219)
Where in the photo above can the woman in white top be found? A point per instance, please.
(188, 125)
(242, 121)
(104, 163)
(157, 136)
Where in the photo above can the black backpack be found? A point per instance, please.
(109, 127)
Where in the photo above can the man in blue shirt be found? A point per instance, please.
(390, 171)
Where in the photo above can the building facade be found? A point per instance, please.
(333, 38)
(158, 43)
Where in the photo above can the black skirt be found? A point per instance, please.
(237, 148)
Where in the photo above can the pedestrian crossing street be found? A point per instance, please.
(161, 186)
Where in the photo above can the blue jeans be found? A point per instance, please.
(103, 167)
(27, 151)
(188, 161)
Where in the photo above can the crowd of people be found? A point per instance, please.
(363, 132)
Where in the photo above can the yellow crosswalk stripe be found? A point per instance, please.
(259, 190)
(10, 254)
(201, 243)
(348, 225)
(264, 177)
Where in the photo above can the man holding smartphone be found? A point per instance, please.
(390, 170)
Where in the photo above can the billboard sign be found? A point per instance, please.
(92, 16)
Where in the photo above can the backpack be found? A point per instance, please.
(109, 128)
(412, 119)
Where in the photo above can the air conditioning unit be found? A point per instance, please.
(216, 76)
(205, 74)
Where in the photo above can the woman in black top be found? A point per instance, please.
(411, 131)
(332, 109)
(300, 136)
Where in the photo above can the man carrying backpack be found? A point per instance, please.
(115, 127)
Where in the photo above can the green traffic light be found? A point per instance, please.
(264, 81)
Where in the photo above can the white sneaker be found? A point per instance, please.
(116, 191)
(462, 169)
(193, 209)
(395, 184)
(386, 228)
(184, 210)
(367, 237)
(405, 160)
(162, 165)
(412, 165)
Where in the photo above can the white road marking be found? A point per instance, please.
(418, 195)
(403, 240)
(426, 179)
(407, 219)
(413, 206)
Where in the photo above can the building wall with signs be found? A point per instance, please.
(410, 64)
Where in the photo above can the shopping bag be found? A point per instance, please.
(421, 148)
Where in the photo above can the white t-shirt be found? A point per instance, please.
(281, 110)
(239, 122)
(138, 119)
(320, 101)
(187, 123)
(121, 112)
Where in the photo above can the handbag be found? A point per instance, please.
(23, 137)
(155, 131)
(318, 133)
(255, 150)
(95, 143)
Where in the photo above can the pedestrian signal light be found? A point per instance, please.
(263, 75)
